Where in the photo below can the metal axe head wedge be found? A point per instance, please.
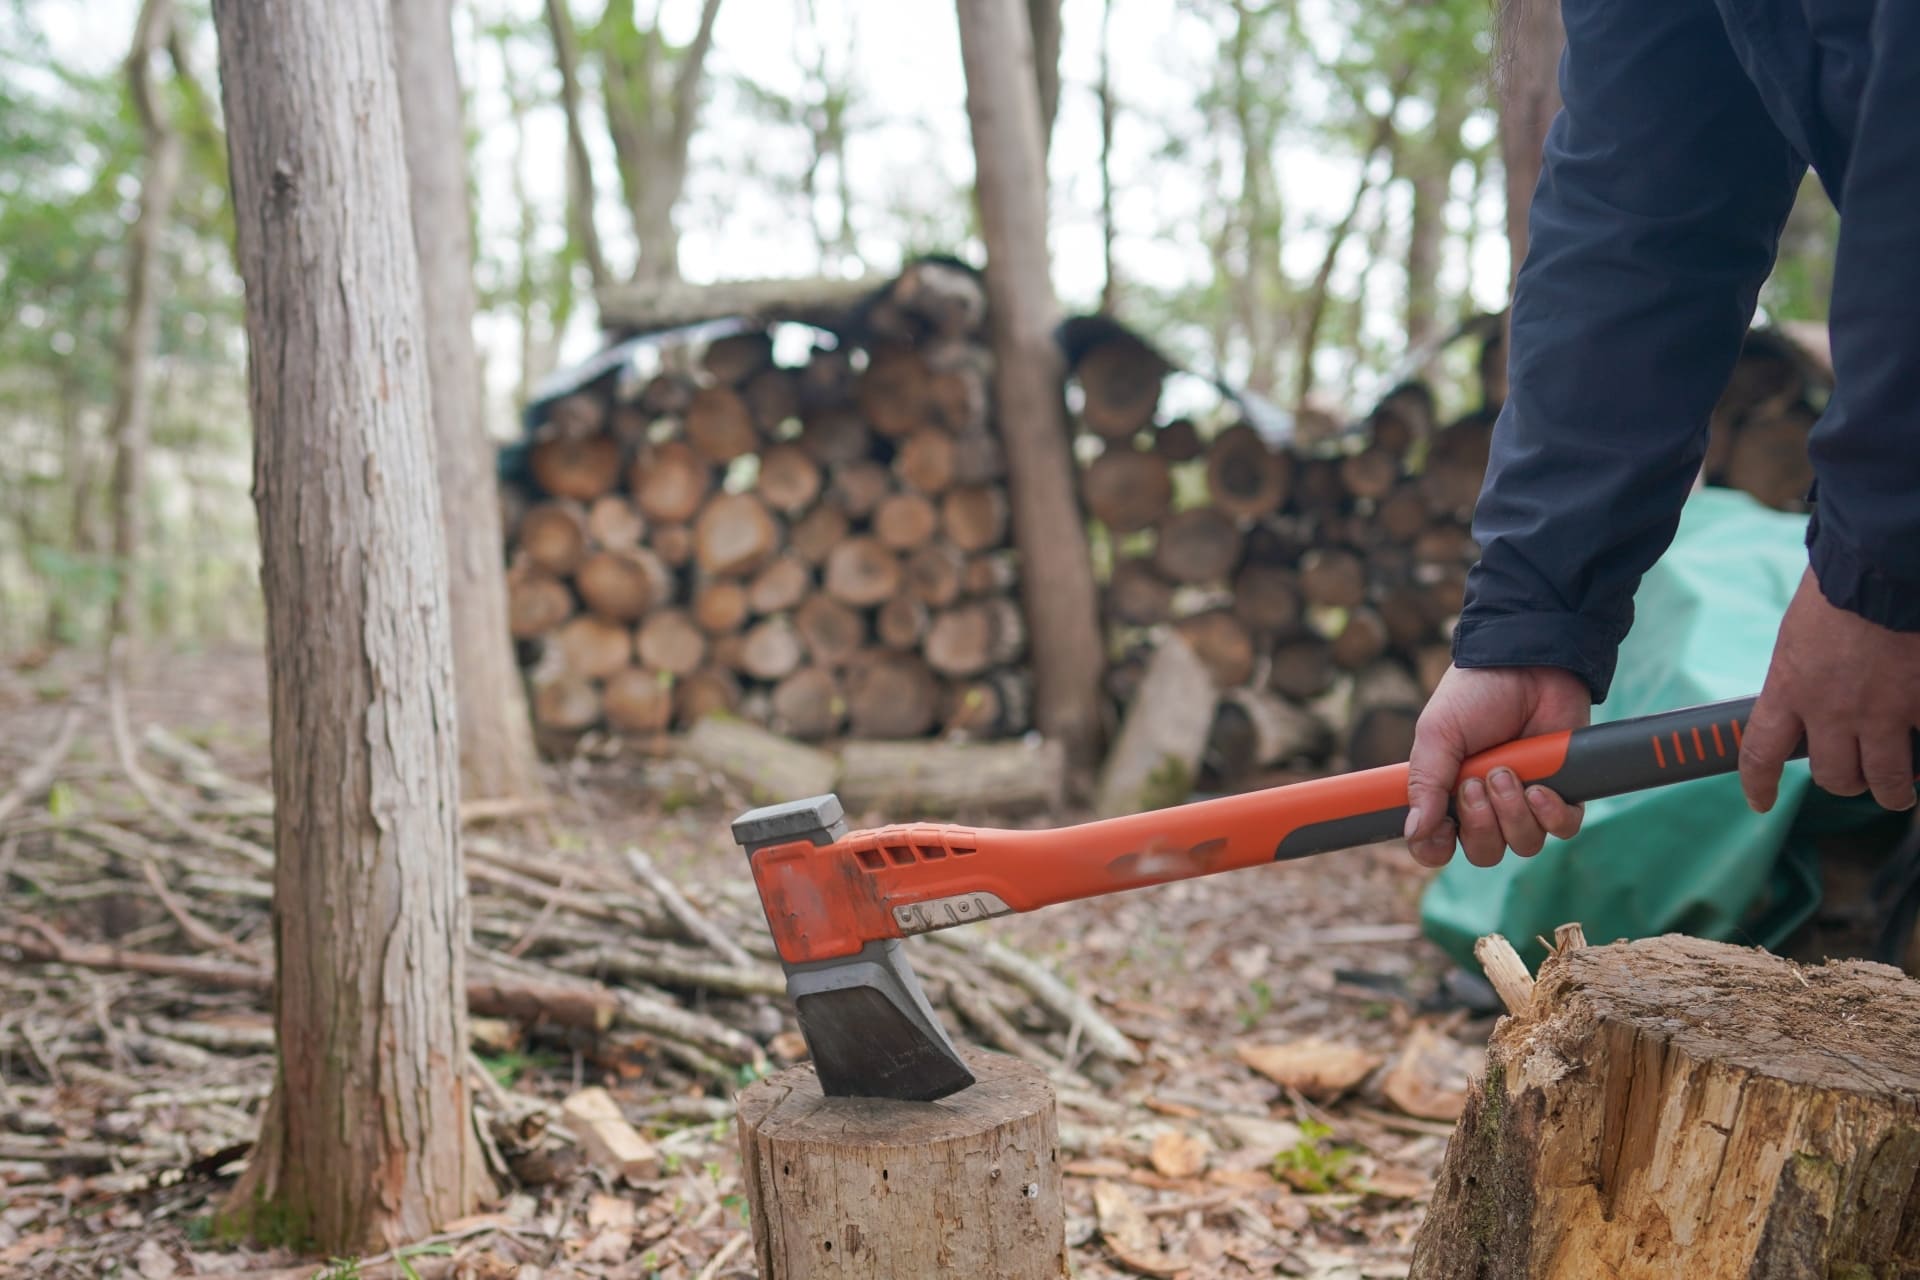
(865, 1018)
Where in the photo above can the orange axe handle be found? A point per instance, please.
(826, 901)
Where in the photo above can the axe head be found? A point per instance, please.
(866, 1020)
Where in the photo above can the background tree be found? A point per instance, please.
(497, 758)
(1527, 65)
(367, 1139)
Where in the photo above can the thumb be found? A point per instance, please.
(1433, 767)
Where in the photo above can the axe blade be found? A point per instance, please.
(865, 1019)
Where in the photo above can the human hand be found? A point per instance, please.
(1851, 688)
(1470, 711)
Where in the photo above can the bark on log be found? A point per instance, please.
(1120, 380)
(830, 630)
(617, 585)
(638, 700)
(765, 765)
(1682, 1107)
(669, 481)
(904, 521)
(789, 479)
(808, 705)
(946, 780)
(592, 647)
(581, 469)
(862, 572)
(734, 535)
(670, 641)
(536, 604)
(974, 517)
(1127, 489)
(814, 536)
(1137, 595)
(925, 461)
(553, 537)
(771, 649)
(780, 586)
(1246, 478)
(1200, 545)
(890, 696)
(1222, 643)
(868, 1189)
(1155, 759)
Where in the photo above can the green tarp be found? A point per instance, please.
(1690, 858)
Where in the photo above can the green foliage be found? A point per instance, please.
(1314, 1164)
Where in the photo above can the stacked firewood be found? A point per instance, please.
(822, 549)
(1318, 579)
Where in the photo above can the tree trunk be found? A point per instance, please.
(1109, 231)
(1682, 1107)
(1043, 17)
(367, 1141)
(1530, 40)
(131, 426)
(497, 758)
(1057, 581)
(580, 184)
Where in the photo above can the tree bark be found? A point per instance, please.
(581, 193)
(497, 757)
(1530, 40)
(131, 426)
(367, 1141)
(996, 47)
(1044, 18)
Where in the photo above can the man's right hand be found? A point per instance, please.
(1471, 710)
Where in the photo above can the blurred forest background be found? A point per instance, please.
(1290, 195)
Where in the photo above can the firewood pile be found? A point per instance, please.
(1317, 579)
(819, 548)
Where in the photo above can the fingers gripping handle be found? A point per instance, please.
(1581, 765)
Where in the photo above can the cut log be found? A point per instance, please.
(720, 606)
(1333, 578)
(950, 299)
(617, 585)
(890, 696)
(974, 517)
(1255, 730)
(1318, 490)
(768, 767)
(1769, 459)
(859, 487)
(1402, 515)
(1456, 466)
(1156, 757)
(814, 536)
(1247, 478)
(1178, 441)
(614, 524)
(710, 691)
(978, 457)
(933, 574)
(575, 417)
(1137, 595)
(1445, 542)
(789, 479)
(669, 640)
(809, 705)
(1120, 381)
(831, 632)
(1403, 609)
(1371, 473)
(669, 481)
(581, 469)
(553, 537)
(1266, 598)
(827, 376)
(1385, 708)
(667, 395)
(536, 604)
(991, 574)
(1127, 489)
(566, 703)
(946, 779)
(925, 461)
(734, 535)
(833, 435)
(969, 638)
(862, 572)
(639, 701)
(773, 397)
(900, 623)
(1222, 644)
(608, 1141)
(997, 705)
(673, 543)
(592, 647)
(904, 521)
(1430, 665)
(959, 400)
(780, 586)
(1679, 1107)
(1302, 669)
(719, 425)
(868, 1189)
(1362, 639)
(895, 391)
(1404, 417)
(738, 356)
(1201, 545)
(771, 649)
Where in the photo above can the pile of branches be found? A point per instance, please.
(136, 961)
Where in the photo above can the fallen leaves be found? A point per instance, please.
(1430, 1076)
(1178, 1155)
(1319, 1070)
(1129, 1236)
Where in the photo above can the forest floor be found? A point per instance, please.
(1285, 1118)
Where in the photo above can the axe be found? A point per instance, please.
(839, 903)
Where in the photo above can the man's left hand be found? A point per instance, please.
(1851, 688)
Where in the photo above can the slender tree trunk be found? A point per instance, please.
(580, 185)
(131, 426)
(367, 1139)
(1258, 284)
(1110, 289)
(1057, 573)
(497, 758)
(1531, 38)
(80, 465)
(1044, 18)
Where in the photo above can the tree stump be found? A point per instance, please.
(878, 1190)
(1676, 1107)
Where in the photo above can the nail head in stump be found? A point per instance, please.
(869, 1189)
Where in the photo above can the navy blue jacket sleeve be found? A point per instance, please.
(1656, 220)
(1865, 534)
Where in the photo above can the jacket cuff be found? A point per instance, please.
(1849, 581)
(1565, 640)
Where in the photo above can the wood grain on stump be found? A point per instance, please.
(868, 1189)
(1677, 1107)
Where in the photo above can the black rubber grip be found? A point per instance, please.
(1342, 833)
(1651, 751)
